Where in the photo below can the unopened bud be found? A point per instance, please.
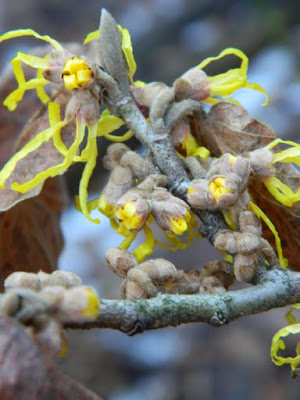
(139, 285)
(80, 303)
(244, 266)
(22, 279)
(114, 154)
(185, 282)
(66, 279)
(171, 213)
(197, 194)
(192, 84)
(145, 95)
(120, 261)
(160, 271)
(249, 222)
(260, 160)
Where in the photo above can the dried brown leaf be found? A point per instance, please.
(26, 374)
(228, 128)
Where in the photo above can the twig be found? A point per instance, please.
(276, 288)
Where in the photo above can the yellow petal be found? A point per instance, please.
(283, 261)
(281, 192)
(91, 36)
(128, 52)
(57, 169)
(29, 32)
(40, 91)
(87, 172)
(145, 249)
(278, 344)
(33, 61)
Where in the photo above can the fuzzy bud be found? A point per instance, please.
(139, 285)
(247, 243)
(192, 84)
(171, 213)
(145, 95)
(225, 241)
(221, 271)
(244, 266)
(185, 282)
(137, 164)
(160, 271)
(249, 222)
(212, 285)
(120, 261)
(22, 280)
(79, 304)
(259, 162)
(114, 154)
(133, 210)
(197, 194)
(154, 181)
(60, 278)
(10, 303)
(268, 252)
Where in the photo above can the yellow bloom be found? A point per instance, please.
(227, 83)
(217, 188)
(180, 225)
(126, 214)
(75, 74)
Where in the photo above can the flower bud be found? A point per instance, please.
(66, 279)
(76, 74)
(259, 161)
(145, 95)
(133, 210)
(197, 194)
(114, 154)
(79, 304)
(192, 84)
(139, 285)
(226, 241)
(244, 266)
(247, 243)
(250, 223)
(120, 261)
(171, 213)
(212, 285)
(160, 271)
(185, 282)
(22, 279)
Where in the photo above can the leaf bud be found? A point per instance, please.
(120, 261)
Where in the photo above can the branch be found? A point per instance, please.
(276, 288)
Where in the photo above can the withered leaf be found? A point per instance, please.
(228, 128)
(26, 374)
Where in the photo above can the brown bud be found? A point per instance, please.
(21, 279)
(66, 279)
(213, 285)
(259, 161)
(120, 181)
(185, 282)
(120, 261)
(221, 270)
(244, 266)
(137, 164)
(192, 84)
(250, 223)
(226, 241)
(114, 154)
(10, 303)
(154, 181)
(268, 252)
(197, 194)
(247, 243)
(145, 95)
(139, 285)
(160, 271)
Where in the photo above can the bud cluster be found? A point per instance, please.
(44, 302)
(142, 280)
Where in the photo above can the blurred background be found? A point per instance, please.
(192, 362)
